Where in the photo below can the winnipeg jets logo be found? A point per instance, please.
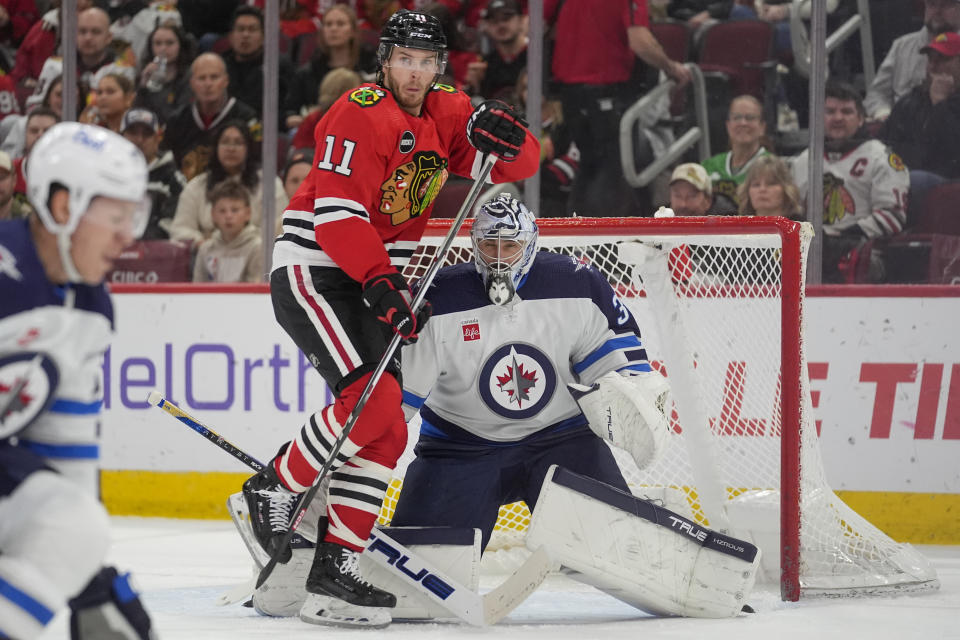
(8, 264)
(517, 381)
(28, 381)
(580, 262)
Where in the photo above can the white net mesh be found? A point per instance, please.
(709, 308)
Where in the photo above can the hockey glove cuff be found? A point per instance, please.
(496, 127)
(389, 297)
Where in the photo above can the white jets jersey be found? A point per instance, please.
(486, 373)
(53, 338)
(867, 186)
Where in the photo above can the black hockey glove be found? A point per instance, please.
(389, 297)
(495, 127)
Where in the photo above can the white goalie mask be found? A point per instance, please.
(504, 236)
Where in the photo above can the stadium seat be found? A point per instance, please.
(149, 261)
(674, 37)
(929, 250)
(450, 198)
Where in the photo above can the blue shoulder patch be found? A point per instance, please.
(24, 284)
(554, 275)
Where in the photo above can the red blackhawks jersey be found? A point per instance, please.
(377, 168)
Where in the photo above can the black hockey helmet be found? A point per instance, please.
(414, 30)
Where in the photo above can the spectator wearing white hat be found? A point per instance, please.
(691, 192)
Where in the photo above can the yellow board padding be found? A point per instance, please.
(919, 518)
(169, 494)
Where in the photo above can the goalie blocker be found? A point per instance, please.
(641, 553)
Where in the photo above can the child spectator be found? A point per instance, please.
(232, 159)
(234, 253)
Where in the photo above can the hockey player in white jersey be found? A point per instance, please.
(490, 377)
(88, 186)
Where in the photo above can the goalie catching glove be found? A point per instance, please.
(495, 127)
(630, 412)
(389, 297)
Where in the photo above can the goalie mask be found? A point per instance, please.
(504, 236)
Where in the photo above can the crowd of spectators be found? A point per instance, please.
(184, 82)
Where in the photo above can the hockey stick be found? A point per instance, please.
(427, 279)
(456, 598)
(156, 399)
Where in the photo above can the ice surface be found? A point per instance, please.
(182, 566)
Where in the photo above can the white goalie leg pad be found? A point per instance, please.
(639, 552)
(334, 612)
(54, 536)
(441, 560)
(629, 411)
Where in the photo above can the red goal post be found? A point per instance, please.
(719, 302)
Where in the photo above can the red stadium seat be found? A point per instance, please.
(742, 51)
(929, 251)
(674, 37)
(450, 198)
(149, 261)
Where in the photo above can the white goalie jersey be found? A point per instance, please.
(52, 340)
(500, 373)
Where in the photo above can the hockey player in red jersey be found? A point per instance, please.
(383, 152)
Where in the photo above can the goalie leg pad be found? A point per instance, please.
(641, 553)
(408, 573)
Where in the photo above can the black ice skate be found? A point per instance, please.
(270, 505)
(338, 595)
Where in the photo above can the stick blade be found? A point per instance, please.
(497, 604)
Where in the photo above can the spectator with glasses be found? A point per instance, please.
(746, 130)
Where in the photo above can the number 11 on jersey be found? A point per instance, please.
(343, 168)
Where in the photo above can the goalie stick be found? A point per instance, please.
(458, 599)
(421, 293)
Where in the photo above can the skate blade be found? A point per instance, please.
(328, 611)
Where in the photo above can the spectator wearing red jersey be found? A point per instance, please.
(16, 18)
(38, 121)
(39, 43)
(596, 42)
(335, 84)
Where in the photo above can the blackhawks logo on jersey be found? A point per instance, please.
(413, 186)
(366, 96)
(444, 87)
(837, 201)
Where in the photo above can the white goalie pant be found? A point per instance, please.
(639, 552)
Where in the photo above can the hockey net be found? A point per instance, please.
(719, 302)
